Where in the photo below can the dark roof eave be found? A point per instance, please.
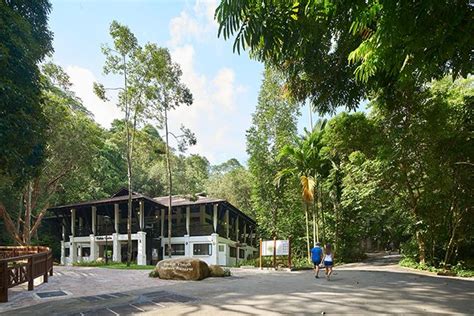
(102, 201)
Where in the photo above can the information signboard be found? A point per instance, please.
(282, 247)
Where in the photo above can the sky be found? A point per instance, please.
(224, 84)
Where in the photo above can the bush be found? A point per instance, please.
(457, 270)
(153, 274)
(227, 272)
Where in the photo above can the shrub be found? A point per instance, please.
(153, 274)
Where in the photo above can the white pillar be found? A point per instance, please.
(63, 253)
(63, 230)
(73, 222)
(202, 214)
(188, 250)
(79, 253)
(215, 218)
(116, 217)
(81, 225)
(237, 229)
(142, 215)
(94, 219)
(215, 249)
(245, 233)
(72, 250)
(188, 220)
(162, 218)
(141, 255)
(93, 248)
(117, 248)
(227, 223)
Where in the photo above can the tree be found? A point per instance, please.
(121, 60)
(73, 139)
(273, 126)
(24, 41)
(164, 92)
(300, 156)
(231, 181)
(336, 53)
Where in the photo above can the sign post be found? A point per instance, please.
(274, 252)
(289, 253)
(275, 248)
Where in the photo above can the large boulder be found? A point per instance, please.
(182, 269)
(216, 271)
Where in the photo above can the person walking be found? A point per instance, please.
(316, 257)
(328, 260)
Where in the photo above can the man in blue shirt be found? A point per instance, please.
(316, 256)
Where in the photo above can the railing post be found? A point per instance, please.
(30, 274)
(4, 282)
(46, 267)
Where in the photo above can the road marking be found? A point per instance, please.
(158, 304)
(112, 311)
(142, 310)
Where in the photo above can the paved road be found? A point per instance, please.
(374, 287)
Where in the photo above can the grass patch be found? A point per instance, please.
(113, 265)
(457, 270)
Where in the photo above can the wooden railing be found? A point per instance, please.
(23, 264)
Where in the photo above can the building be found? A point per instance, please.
(206, 228)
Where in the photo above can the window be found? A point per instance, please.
(241, 253)
(202, 249)
(233, 252)
(85, 251)
(221, 248)
(176, 250)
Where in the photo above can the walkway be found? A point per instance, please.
(374, 287)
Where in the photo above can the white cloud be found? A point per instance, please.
(82, 80)
(214, 115)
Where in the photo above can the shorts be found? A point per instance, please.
(328, 263)
(316, 263)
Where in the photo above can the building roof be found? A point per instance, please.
(112, 199)
(163, 201)
(178, 200)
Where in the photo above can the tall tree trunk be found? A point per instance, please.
(421, 246)
(20, 210)
(170, 182)
(27, 225)
(336, 215)
(323, 221)
(274, 220)
(129, 167)
(451, 243)
(307, 232)
(315, 229)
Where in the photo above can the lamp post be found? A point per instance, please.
(107, 219)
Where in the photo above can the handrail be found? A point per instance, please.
(39, 262)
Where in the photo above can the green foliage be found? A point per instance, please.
(113, 265)
(232, 182)
(273, 127)
(355, 47)
(24, 41)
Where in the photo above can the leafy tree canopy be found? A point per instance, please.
(24, 41)
(337, 52)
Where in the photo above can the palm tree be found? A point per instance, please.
(318, 164)
(300, 157)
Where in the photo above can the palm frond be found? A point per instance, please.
(307, 184)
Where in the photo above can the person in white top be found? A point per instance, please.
(328, 260)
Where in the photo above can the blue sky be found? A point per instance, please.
(225, 85)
